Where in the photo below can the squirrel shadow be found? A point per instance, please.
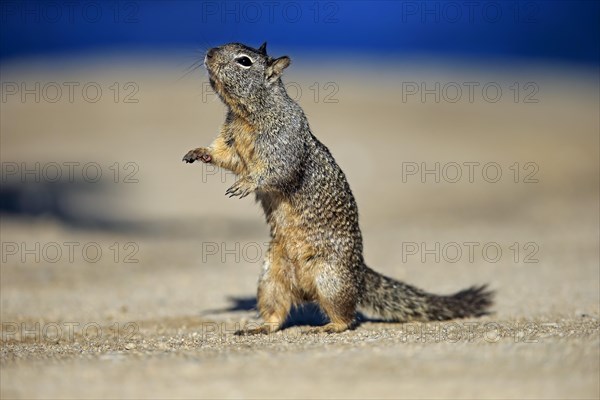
(302, 315)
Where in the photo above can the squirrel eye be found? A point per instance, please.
(244, 61)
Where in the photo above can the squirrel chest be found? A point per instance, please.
(240, 136)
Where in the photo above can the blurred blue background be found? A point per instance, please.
(539, 30)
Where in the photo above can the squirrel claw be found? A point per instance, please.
(197, 154)
(262, 330)
(241, 188)
(328, 328)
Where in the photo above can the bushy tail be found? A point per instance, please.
(393, 300)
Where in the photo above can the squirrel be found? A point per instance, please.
(316, 248)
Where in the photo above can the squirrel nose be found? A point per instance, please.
(211, 53)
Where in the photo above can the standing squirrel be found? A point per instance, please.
(316, 251)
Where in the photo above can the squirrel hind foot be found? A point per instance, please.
(328, 328)
(264, 329)
(251, 332)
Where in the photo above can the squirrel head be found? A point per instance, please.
(242, 76)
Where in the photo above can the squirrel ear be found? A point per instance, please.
(276, 66)
(263, 49)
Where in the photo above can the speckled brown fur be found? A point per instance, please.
(316, 248)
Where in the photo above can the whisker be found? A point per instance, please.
(195, 65)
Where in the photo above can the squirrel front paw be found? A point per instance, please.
(201, 153)
(242, 188)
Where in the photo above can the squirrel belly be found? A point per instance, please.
(316, 249)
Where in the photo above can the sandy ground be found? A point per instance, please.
(163, 270)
